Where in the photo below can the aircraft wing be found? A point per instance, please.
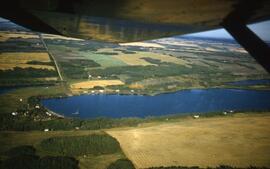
(138, 20)
(130, 20)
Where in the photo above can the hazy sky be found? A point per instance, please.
(262, 29)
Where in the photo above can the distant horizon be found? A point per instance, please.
(261, 29)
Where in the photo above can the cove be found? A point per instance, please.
(186, 101)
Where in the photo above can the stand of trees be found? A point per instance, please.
(24, 157)
(96, 144)
(121, 164)
(19, 73)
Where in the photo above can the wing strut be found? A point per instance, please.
(256, 47)
(235, 24)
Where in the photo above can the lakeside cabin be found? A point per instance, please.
(196, 116)
(14, 113)
(49, 114)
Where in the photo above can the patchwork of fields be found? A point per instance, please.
(145, 68)
(24, 61)
(171, 66)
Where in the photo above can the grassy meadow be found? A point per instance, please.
(241, 140)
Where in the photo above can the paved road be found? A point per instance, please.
(53, 58)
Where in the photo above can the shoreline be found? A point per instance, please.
(55, 114)
(147, 94)
(66, 95)
(174, 114)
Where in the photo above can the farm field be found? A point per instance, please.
(140, 58)
(4, 35)
(240, 140)
(24, 60)
(38, 60)
(92, 83)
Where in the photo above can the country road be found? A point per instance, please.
(50, 54)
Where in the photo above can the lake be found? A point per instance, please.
(4, 90)
(186, 101)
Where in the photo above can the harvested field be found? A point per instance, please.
(190, 81)
(143, 44)
(168, 41)
(9, 60)
(4, 36)
(93, 83)
(164, 58)
(133, 59)
(136, 86)
(24, 57)
(137, 59)
(241, 140)
(52, 37)
(4, 66)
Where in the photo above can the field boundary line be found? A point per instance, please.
(51, 55)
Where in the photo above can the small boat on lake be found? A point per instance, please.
(76, 113)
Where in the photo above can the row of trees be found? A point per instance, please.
(21, 123)
(18, 73)
(121, 164)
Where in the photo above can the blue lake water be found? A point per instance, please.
(187, 101)
(4, 90)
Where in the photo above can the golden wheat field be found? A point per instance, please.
(241, 140)
(136, 86)
(143, 44)
(92, 83)
(164, 58)
(9, 60)
(4, 36)
(133, 59)
(52, 37)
